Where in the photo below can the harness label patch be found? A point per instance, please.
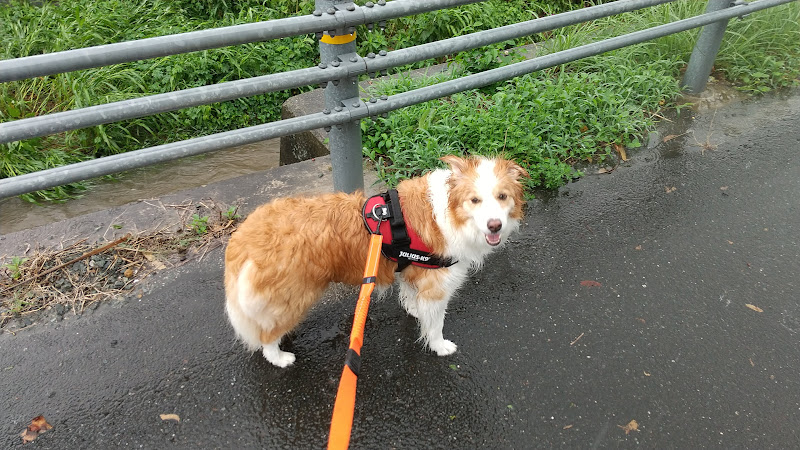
(414, 256)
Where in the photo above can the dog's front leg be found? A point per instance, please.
(408, 296)
(433, 288)
(431, 320)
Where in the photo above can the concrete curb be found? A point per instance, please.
(249, 191)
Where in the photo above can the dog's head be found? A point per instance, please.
(485, 195)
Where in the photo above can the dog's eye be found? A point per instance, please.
(502, 196)
(475, 200)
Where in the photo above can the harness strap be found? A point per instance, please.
(383, 214)
(396, 220)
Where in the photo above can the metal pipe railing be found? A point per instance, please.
(488, 77)
(518, 30)
(345, 140)
(104, 55)
(705, 51)
(140, 158)
(58, 176)
(170, 101)
(154, 104)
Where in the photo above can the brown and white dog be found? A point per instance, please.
(281, 259)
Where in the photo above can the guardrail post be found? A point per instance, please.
(705, 50)
(344, 139)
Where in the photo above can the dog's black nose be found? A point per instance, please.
(494, 225)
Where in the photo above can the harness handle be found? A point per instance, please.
(397, 220)
(344, 407)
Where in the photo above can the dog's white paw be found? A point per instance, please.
(278, 357)
(443, 347)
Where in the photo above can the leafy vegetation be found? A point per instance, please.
(199, 224)
(232, 213)
(14, 267)
(30, 28)
(545, 121)
(559, 116)
(550, 120)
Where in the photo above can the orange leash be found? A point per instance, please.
(344, 407)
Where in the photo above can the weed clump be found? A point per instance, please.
(581, 111)
(32, 28)
(82, 275)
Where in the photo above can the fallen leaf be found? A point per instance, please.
(723, 188)
(602, 170)
(128, 273)
(584, 129)
(174, 417)
(730, 242)
(152, 258)
(751, 362)
(646, 373)
(670, 137)
(631, 426)
(638, 247)
(754, 307)
(28, 436)
(641, 320)
(38, 426)
(567, 427)
(670, 189)
(621, 150)
(590, 283)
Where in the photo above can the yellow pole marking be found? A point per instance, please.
(338, 40)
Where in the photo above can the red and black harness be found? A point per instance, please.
(382, 214)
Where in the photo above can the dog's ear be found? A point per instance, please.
(458, 165)
(515, 170)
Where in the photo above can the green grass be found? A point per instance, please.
(550, 120)
(561, 116)
(26, 29)
(759, 53)
(545, 121)
(55, 26)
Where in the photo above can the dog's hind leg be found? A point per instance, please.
(247, 330)
(272, 352)
(259, 317)
(264, 334)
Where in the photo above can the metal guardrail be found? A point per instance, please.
(154, 104)
(327, 18)
(341, 66)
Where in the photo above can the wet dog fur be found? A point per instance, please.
(281, 259)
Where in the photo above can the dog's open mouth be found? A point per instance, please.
(493, 239)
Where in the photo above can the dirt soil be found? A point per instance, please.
(50, 283)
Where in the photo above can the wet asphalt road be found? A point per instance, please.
(544, 360)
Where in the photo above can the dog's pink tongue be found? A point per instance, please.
(493, 239)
